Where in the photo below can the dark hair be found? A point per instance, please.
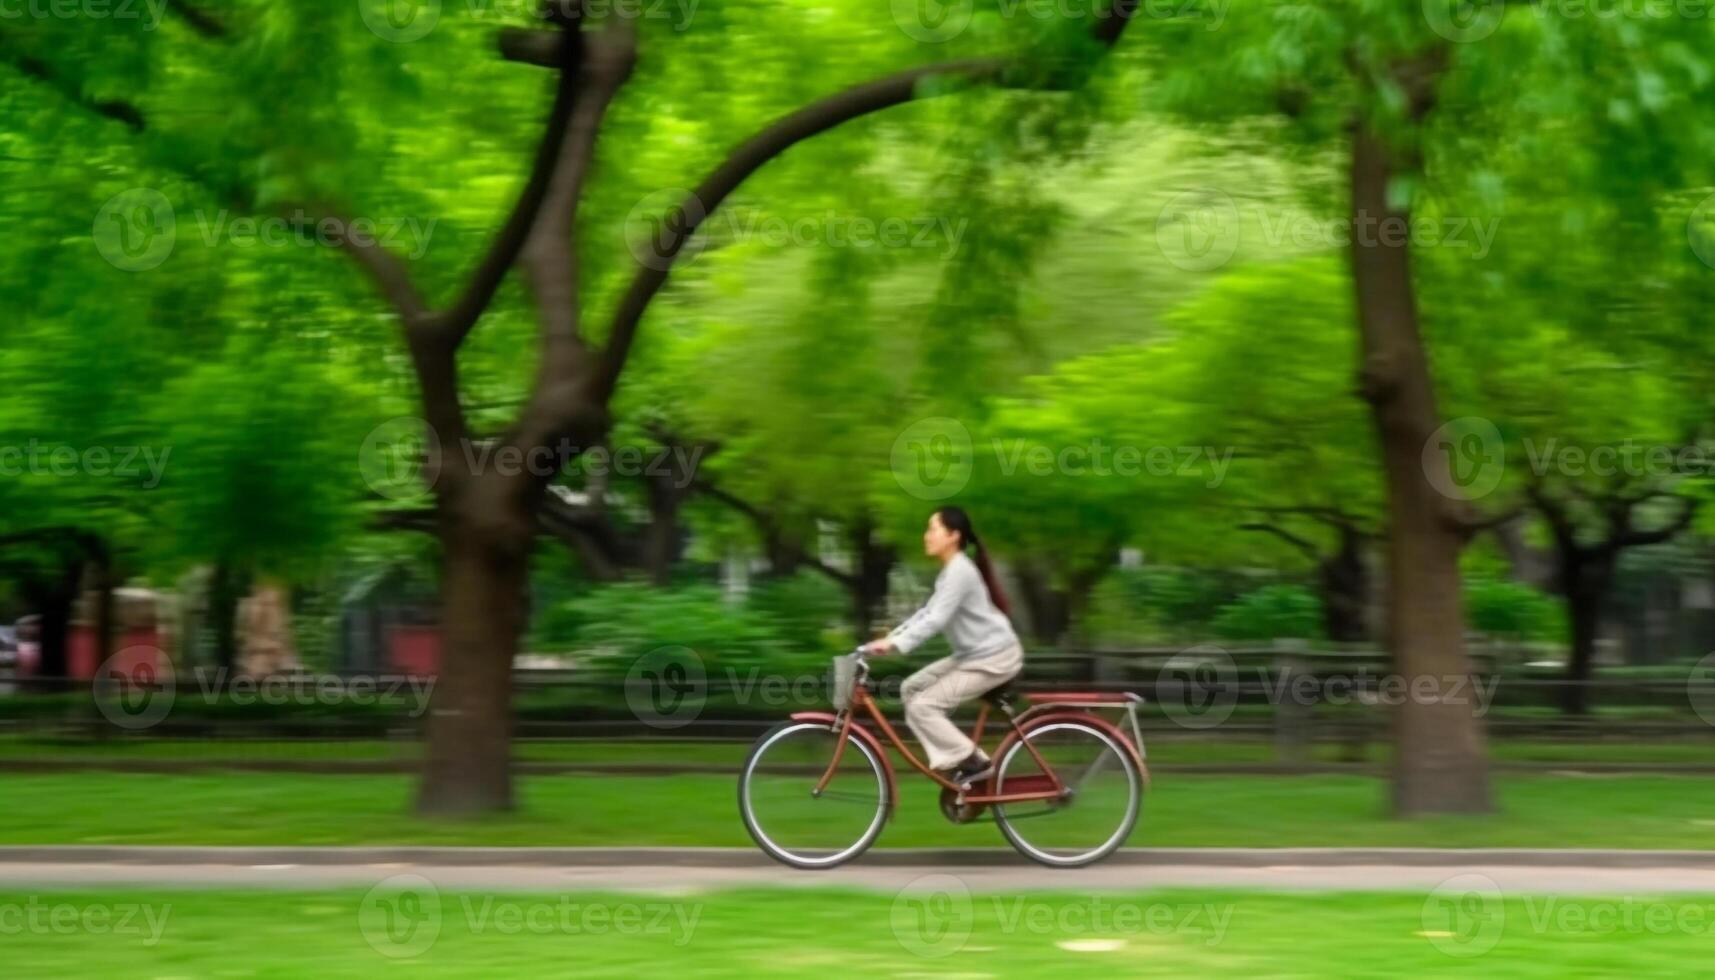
(955, 519)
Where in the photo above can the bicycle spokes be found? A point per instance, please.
(1103, 792)
(789, 818)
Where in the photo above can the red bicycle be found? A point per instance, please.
(1068, 786)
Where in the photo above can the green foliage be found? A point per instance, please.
(617, 624)
(262, 474)
(1271, 612)
(1515, 611)
(810, 611)
(1057, 318)
(1142, 605)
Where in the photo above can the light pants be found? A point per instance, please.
(933, 692)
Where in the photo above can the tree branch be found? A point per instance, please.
(391, 275)
(548, 257)
(1332, 516)
(860, 100)
(200, 21)
(115, 109)
(1307, 547)
(1633, 539)
(461, 317)
(766, 524)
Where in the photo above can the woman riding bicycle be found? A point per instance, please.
(969, 606)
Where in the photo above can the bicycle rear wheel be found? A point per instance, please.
(1097, 815)
(788, 819)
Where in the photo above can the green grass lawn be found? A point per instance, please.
(589, 810)
(932, 928)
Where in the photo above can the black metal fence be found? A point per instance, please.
(1269, 707)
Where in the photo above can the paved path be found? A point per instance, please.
(679, 870)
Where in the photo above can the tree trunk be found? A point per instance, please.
(784, 554)
(661, 538)
(1047, 607)
(1440, 761)
(1079, 591)
(227, 586)
(1345, 591)
(1587, 579)
(486, 528)
(868, 586)
(53, 600)
(667, 491)
(102, 581)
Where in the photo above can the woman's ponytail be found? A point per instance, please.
(955, 519)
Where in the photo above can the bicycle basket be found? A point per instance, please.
(843, 681)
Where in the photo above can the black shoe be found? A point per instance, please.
(972, 770)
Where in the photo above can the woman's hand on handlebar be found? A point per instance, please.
(878, 648)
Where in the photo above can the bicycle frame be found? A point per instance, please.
(861, 700)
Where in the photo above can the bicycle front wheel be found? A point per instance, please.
(1105, 795)
(788, 819)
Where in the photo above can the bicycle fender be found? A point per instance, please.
(1112, 730)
